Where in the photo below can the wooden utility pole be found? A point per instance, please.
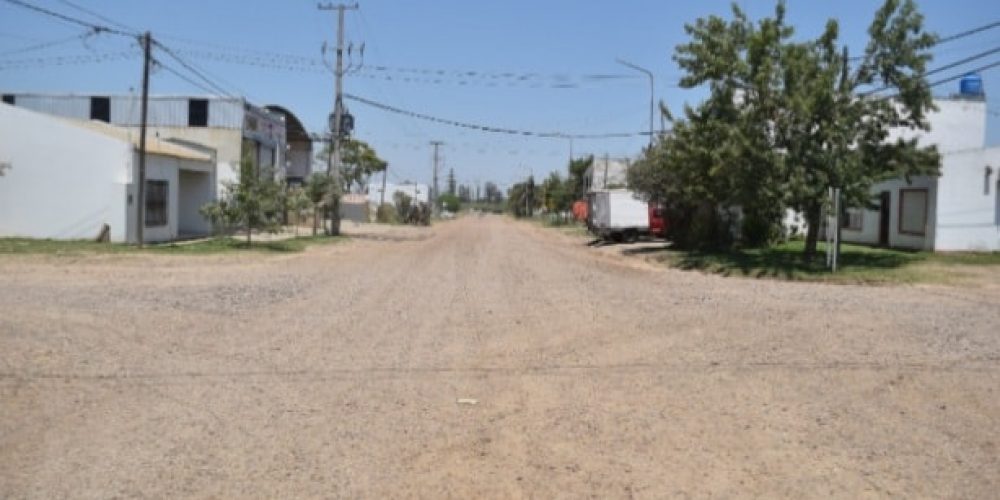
(336, 128)
(140, 187)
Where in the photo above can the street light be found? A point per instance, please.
(652, 92)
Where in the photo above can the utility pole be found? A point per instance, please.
(336, 128)
(434, 188)
(140, 198)
(652, 93)
(385, 174)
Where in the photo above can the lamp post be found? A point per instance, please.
(652, 92)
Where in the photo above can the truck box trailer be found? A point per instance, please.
(617, 215)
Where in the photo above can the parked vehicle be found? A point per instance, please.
(617, 215)
(657, 221)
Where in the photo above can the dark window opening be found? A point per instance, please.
(156, 203)
(8, 99)
(100, 109)
(198, 112)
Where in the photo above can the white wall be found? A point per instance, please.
(969, 213)
(869, 233)
(65, 181)
(419, 192)
(957, 125)
(195, 190)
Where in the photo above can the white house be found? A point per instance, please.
(232, 127)
(418, 192)
(606, 173)
(68, 178)
(957, 211)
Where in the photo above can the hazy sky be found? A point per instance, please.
(533, 62)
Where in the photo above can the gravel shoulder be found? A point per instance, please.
(337, 372)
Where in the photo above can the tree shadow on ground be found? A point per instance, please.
(787, 262)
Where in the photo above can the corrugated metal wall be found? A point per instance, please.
(125, 110)
(67, 106)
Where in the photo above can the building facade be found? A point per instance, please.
(232, 127)
(71, 179)
(956, 211)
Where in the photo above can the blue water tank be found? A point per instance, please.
(971, 85)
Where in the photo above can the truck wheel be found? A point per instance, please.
(631, 236)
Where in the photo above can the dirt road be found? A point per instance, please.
(337, 373)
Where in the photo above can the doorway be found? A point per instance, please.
(885, 207)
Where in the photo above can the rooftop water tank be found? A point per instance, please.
(971, 86)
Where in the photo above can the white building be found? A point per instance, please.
(606, 173)
(68, 178)
(957, 211)
(232, 127)
(418, 192)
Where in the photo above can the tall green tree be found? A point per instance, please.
(785, 119)
(577, 171)
(322, 192)
(358, 161)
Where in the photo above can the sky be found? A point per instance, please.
(539, 65)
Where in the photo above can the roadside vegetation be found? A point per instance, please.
(858, 264)
(786, 119)
(217, 245)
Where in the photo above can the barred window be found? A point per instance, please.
(852, 219)
(156, 203)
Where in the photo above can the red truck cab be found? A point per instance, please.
(657, 221)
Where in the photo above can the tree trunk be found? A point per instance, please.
(813, 215)
(315, 220)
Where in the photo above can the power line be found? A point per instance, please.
(69, 19)
(41, 62)
(193, 70)
(97, 15)
(53, 43)
(969, 59)
(968, 33)
(946, 67)
(182, 76)
(485, 128)
(956, 77)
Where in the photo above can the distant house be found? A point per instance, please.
(606, 173)
(232, 127)
(69, 178)
(418, 192)
(959, 210)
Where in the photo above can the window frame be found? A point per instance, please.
(165, 203)
(899, 219)
(192, 113)
(845, 219)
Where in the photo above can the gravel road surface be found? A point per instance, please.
(485, 358)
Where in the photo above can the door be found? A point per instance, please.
(885, 207)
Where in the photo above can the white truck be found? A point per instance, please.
(617, 215)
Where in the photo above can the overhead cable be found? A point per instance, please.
(490, 129)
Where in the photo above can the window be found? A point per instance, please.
(913, 211)
(198, 112)
(852, 219)
(100, 109)
(156, 203)
(8, 99)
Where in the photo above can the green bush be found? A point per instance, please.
(386, 214)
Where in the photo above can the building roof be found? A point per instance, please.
(154, 145)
